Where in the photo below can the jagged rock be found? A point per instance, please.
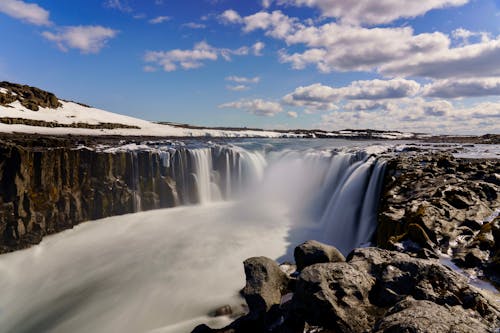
(335, 295)
(30, 97)
(313, 252)
(398, 275)
(48, 185)
(424, 206)
(411, 315)
(265, 284)
(377, 291)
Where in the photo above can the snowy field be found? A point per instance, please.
(75, 113)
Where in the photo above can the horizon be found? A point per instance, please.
(429, 67)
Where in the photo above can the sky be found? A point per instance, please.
(429, 66)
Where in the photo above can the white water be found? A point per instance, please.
(164, 270)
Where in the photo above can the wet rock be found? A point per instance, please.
(313, 252)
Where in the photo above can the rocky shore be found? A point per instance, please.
(432, 206)
(373, 290)
(437, 204)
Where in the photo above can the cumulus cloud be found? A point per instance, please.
(160, 19)
(321, 97)
(373, 12)
(391, 51)
(475, 87)
(475, 60)
(419, 115)
(257, 48)
(195, 58)
(230, 16)
(186, 59)
(258, 107)
(87, 39)
(465, 36)
(292, 114)
(27, 12)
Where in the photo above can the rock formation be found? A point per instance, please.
(375, 290)
(437, 204)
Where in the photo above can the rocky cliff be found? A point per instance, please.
(48, 185)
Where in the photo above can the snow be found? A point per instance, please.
(75, 113)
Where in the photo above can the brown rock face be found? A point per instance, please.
(44, 190)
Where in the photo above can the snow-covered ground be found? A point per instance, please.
(71, 113)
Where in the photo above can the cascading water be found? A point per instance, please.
(164, 270)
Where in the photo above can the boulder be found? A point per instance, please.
(313, 252)
(265, 284)
(411, 315)
(335, 295)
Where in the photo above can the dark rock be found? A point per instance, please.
(313, 252)
(425, 205)
(411, 315)
(265, 284)
(335, 295)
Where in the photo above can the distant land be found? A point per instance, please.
(30, 110)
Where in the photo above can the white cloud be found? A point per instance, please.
(475, 60)
(266, 3)
(257, 107)
(418, 115)
(87, 39)
(230, 16)
(239, 87)
(345, 48)
(292, 114)
(391, 51)
(242, 79)
(257, 48)
(28, 12)
(475, 87)
(195, 58)
(187, 59)
(160, 19)
(194, 25)
(374, 12)
(464, 36)
(121, 5)
(321, 97)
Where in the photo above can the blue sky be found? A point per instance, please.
(427, 66)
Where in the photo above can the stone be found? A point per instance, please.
(335, 295)
(411, 315)
(265, 284)
(313, 252)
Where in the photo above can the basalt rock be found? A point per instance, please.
(49, 186)
(377, 291)
(30, 97)
(441, 204)
(313, 252)
(411, 315)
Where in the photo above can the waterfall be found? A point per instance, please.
(164, 270)
(331, 190)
